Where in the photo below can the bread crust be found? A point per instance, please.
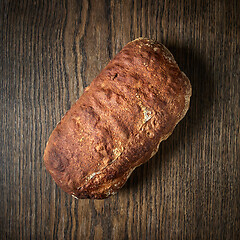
(119, 121)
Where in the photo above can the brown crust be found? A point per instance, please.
(119, 121)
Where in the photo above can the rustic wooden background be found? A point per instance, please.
(51, 50)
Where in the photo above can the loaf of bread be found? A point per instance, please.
(119, 121)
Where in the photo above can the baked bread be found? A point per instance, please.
(119, 121)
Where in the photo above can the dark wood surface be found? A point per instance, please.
(51, 50)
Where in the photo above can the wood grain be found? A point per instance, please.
(51, 50)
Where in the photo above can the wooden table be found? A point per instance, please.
(51, 50)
